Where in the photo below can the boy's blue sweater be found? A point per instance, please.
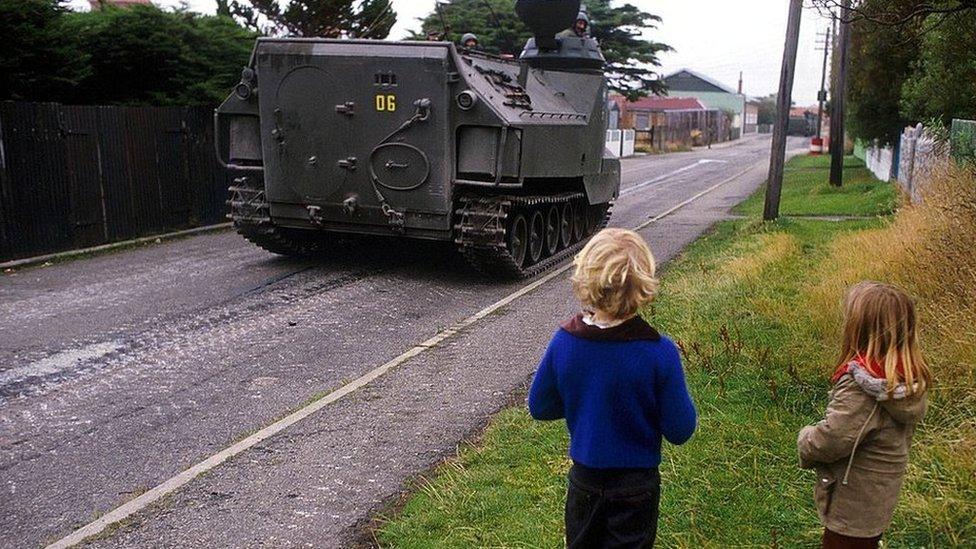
(620, 389)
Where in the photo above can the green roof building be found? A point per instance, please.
(711, 93)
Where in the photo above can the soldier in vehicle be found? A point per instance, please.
(470, 41)
(580, 27)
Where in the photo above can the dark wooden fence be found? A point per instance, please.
(683, 129)
(78, 176)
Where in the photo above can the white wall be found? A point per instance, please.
(879, 161)
(620, 143)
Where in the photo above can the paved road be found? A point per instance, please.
(119, 371)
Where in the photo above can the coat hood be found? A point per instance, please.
(634, 329)
(902, 408)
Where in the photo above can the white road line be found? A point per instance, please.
(59, 362)
(171, 485)
(664, 177)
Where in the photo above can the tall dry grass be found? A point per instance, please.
(928, 249)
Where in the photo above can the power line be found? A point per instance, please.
(381, 16)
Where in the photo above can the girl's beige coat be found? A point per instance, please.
(860, 452)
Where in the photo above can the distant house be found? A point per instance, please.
(639, 114)
(750, 122)
(802, 112)
(711, 93)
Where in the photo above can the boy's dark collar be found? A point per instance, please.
(635, 329)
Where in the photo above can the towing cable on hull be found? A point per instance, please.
(396, 218)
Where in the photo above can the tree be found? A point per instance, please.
(499, 30)
(40, 60)
(942, 84)
(767, 110)
(322, 18)
(897, 14)
(881, 59)
(910, 61)
(630, 58)
(144, 55)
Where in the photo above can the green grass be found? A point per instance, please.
(735, 482)
(739, 303)
(806, 190)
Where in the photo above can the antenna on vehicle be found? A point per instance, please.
(440, 14)
(498, 23)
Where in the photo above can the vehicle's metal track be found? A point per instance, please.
(481, 231)
(251, 215)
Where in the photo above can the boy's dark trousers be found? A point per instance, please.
(612, 507)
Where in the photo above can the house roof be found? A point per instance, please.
(697, 75)
(801, 111)
(659, 103)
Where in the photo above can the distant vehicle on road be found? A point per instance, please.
(424, 140)
(804, 126)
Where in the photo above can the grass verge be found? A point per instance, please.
(756, 309)
(807, 192)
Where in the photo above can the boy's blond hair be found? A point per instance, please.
(880, 326)
(615, 273)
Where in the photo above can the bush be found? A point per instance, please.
(927, 249)
(140, 55)
(41, 60)
(144, 55)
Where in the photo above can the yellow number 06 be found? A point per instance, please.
(386, 103)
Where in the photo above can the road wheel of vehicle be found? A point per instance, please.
(579, 221)
(518, 239)
(566, 225)
(594, 214)
(537, 237)
(552, 230)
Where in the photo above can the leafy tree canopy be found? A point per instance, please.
(880, 61)
(910, 62)
(144, 55)
(767, 110)
(631, 59)
(943, 81)
(134, 55)
(322, 18)
(894, 14)
(41, 61)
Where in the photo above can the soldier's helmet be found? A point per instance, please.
(469, 37)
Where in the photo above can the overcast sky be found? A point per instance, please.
(718, 38)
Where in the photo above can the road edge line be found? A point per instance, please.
(174, 483)
(68, 254)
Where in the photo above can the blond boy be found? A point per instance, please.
(621, 388)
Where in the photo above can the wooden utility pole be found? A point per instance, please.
(777, 155)
(822, 94)
(837, 101)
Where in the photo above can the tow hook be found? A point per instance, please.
(314, 216)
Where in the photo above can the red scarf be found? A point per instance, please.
(873, 367)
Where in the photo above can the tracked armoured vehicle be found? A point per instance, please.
(424, 140)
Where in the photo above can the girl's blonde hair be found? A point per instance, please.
(880, 327)
(615, 273)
